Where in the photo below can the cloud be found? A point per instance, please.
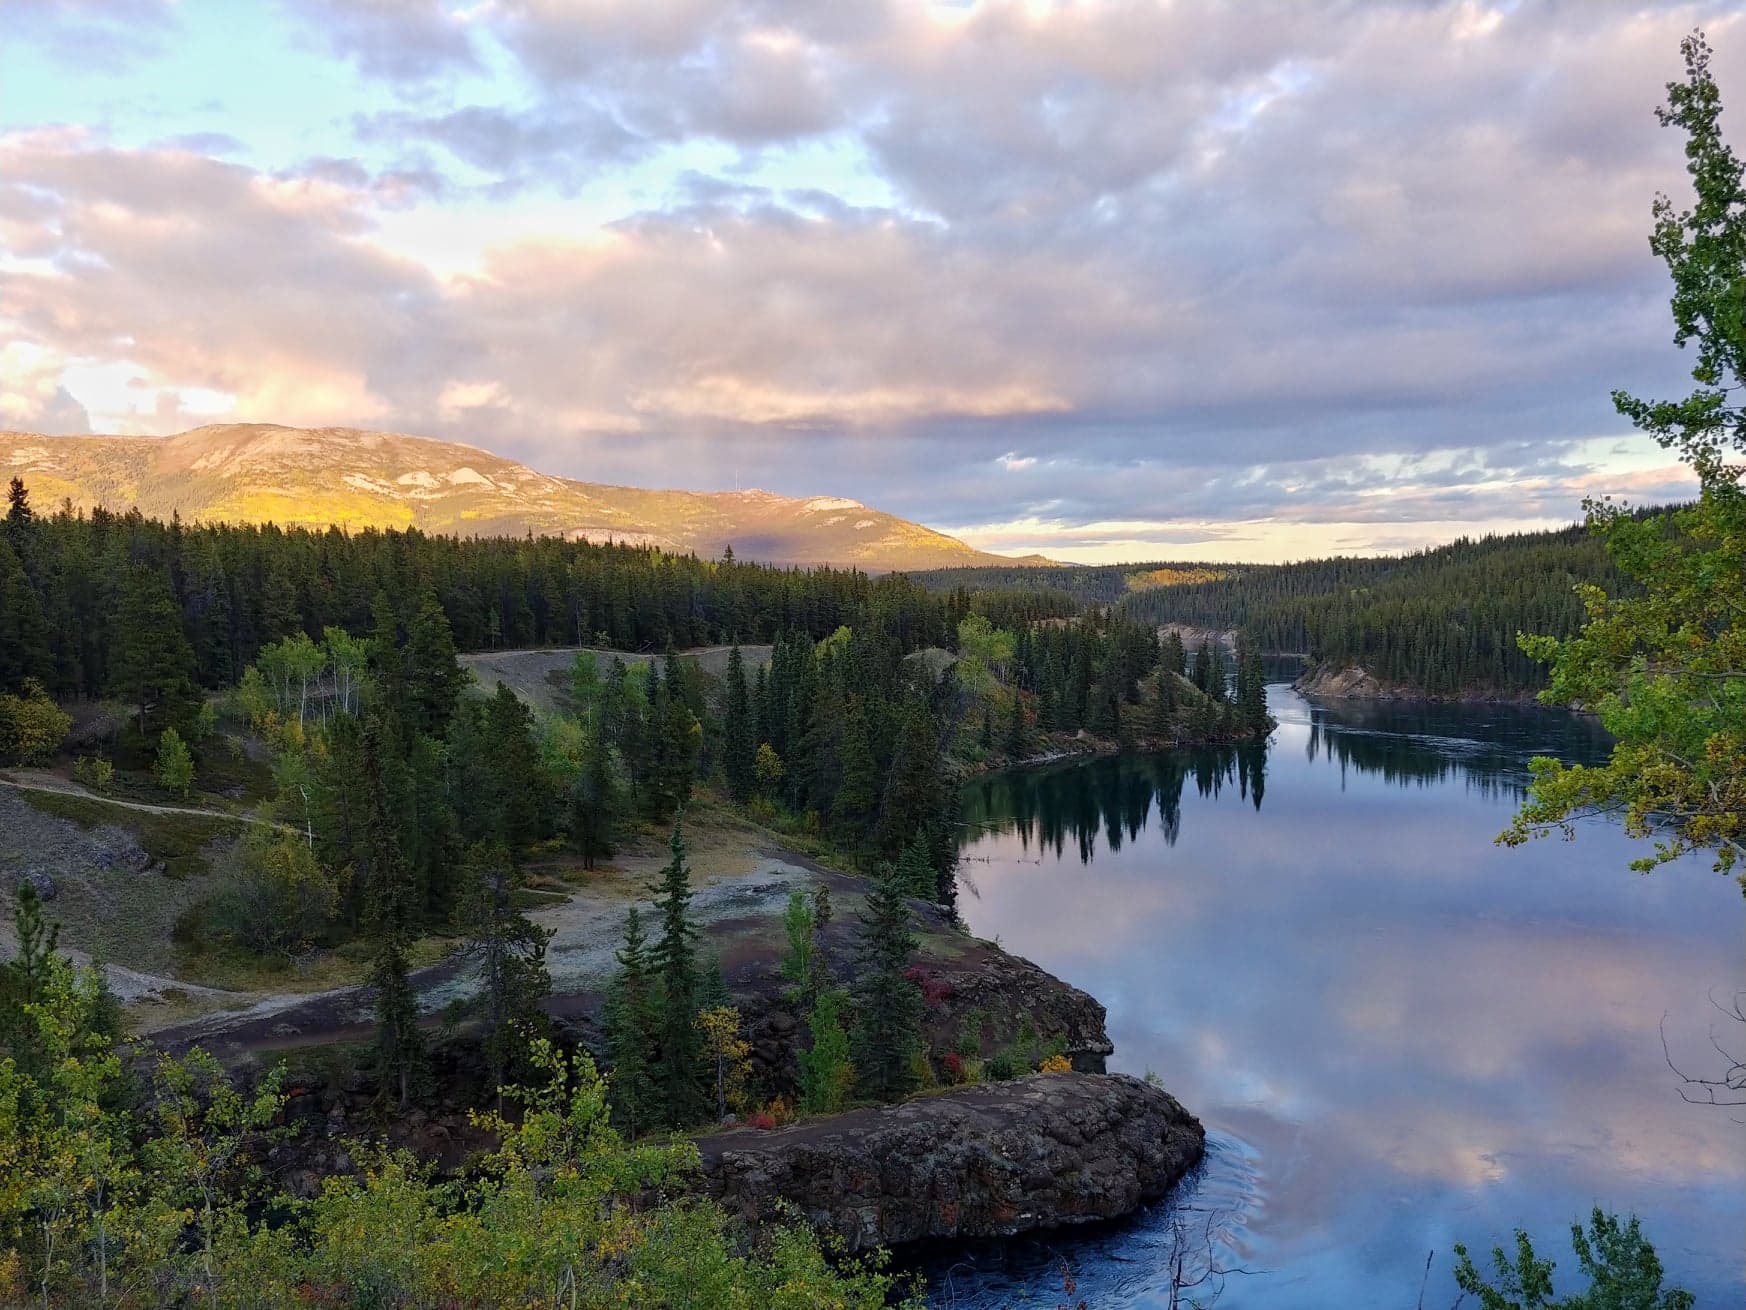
(1153, 267)
(414, 41)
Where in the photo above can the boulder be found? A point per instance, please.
(992, 1160)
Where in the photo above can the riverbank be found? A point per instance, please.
(1354, 683)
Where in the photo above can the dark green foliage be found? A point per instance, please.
(739, 733)
(23, 978)
(631, 1025)
(915, 868)
(1620, 1264)
(151, 663)
(511, 951)
(596, 806)
(673, 962)
(233, 588)
(888, 1002)
(391, 914)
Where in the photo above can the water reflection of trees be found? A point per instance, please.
(1082, 802)
(1113, 799)
(1485, 748)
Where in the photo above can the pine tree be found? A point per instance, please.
(857, 795)
(511, 951)
(24, 632)
(739, 751)
(1017, 743)
(23, 981)
(915, 868)
(674, 963)
(631, 1021)
(1164, 705)
(595, 806)
(151, 662)
(399, 1043)
(432, 676)
(888, 1028)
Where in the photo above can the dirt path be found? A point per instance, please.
(54, 785)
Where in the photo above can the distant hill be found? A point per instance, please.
(313, 477)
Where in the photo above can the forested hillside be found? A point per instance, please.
(1443, 621)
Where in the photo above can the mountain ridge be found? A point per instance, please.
(355, 478)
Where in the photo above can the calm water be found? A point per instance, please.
(1398, 1035)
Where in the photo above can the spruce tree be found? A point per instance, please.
(433, 679)
(23, 981)
(399, 1043)
(631, 1022)
(889, 1005)
(857, 795)
(595, 806)
(674, 963)
(740, 745)
(1017, 742)
(511, 951)
(24, 632)
(915, 868)
(151, 663)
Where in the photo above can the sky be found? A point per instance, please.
(1144, 279)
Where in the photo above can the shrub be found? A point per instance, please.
(278, 900)
(32, 726)
(1056, 1064)
(95, 772)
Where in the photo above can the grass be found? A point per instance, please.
(179, 840)
(220, 965)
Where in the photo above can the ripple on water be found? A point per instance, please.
(1207, 1218)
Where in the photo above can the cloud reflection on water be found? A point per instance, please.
(1425, 1038)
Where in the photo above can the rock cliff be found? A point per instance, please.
(992, 1160)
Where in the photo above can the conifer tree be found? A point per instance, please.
(24, 978)
(511, 951)
(1164, 705)
(889, 1005)
(739, 748)
(399, 1043)
(151, 662)
(24, 632)
(674, 964)
(915, 868)
(433, 678)
(631, 1021)
(1017, 742)
(857, 796)
(595, 806)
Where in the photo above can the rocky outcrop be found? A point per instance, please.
(992, 1160)
(1353, 683)
(1342, 684)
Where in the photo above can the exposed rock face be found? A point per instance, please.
(1040, 1152)
(1355, 683)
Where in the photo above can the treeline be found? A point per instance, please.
(76, 589)
(1442, 620)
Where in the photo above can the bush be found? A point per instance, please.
(95, 772)
(279, 899)
(32, 726)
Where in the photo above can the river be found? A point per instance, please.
(1398, 1034)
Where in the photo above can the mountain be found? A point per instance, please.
(260, 472)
